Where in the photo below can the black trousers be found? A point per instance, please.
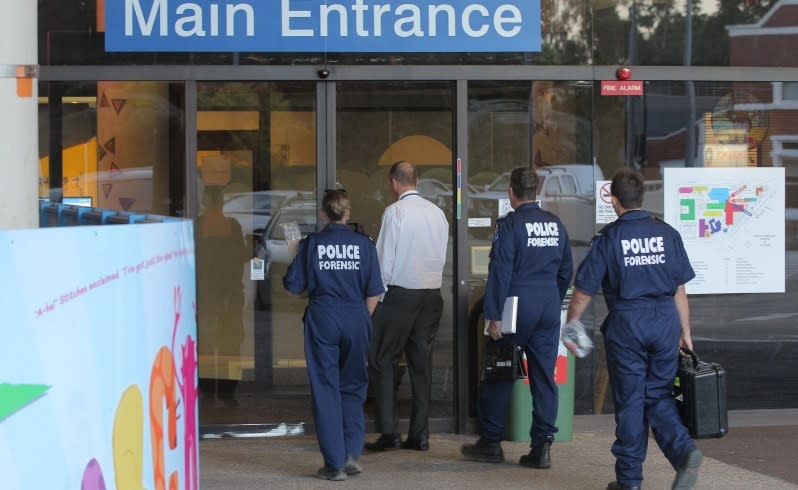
(406, 321)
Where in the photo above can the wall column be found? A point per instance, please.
(19, 130)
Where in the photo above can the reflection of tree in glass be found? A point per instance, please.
(565, 28)
(661, 30)
(733, 123)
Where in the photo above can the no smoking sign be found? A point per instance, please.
(604, 211)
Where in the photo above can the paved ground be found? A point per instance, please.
(758, 453)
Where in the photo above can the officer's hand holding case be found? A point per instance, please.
(700, 392)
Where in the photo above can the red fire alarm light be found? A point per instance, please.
(623, 73)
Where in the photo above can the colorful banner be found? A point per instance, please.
(344, 26)
(98, 358)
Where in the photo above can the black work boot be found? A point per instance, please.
(484, 451)
(538, 457)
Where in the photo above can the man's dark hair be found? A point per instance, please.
(524, 183)
(628, 187)
(403, 172)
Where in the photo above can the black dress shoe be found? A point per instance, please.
(417, 444)
(617, 486)
(385, 442)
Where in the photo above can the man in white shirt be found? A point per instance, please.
(412, 252)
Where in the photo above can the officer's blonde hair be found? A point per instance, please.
(335, 204)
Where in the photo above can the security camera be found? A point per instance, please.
(323, 73)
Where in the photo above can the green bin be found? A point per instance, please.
(519, 418)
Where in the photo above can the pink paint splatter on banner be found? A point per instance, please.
(188, 391)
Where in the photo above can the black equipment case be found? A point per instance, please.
(700, 392)
(501, 362)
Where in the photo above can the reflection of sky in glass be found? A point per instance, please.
(707, 7)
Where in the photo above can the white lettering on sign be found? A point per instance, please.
(434, 10)
(408, 20)
(346, 26)
(191, 20)
(145, 26)
(650, 248)
(621, 87)
(513, 20)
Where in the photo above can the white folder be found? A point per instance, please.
(509, 316)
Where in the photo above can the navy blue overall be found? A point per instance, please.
(339, 269)
(639, 262)
(530, 258)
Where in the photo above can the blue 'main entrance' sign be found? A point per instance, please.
(323, 25)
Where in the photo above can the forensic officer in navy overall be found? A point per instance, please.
(530, 258)
(640, 264)
(339, 269)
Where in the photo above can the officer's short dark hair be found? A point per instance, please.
(628, 186)
(524, 183)
(335, 204)
(404, 172)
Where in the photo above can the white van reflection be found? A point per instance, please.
(301, 211)
(254, 210)
(566, 190)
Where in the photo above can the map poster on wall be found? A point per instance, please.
(732, 224)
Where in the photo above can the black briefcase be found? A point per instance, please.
(501, 362)
(700, 392)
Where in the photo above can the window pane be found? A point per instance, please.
(108, 145)
(256, 164)
(789, 91)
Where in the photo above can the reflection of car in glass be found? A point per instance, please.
(253, 210)
(301, 211)
(566, 190)
(272, 247)
(436, 191)
(439, 193)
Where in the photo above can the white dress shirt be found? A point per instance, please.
(412, 243)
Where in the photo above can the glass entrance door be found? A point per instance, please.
(545, 125)
(377, 124)
(258, 165)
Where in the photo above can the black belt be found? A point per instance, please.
(391, 286)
